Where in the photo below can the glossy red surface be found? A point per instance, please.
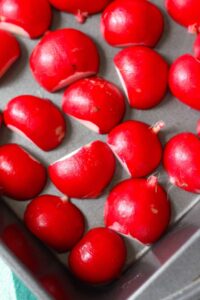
(184, 80)
(56, 221)
(185, 12)
(22, 177)
(95, 100)
(182, 161)
(132, 22)
(9, 51)
(98, 257)
(36, 118)
(139, 208)
(84, 173)
(145, 76)
(33, 16)
(61, 58)
(137, 147)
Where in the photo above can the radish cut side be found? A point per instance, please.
(69, 80)
(122, 82)
(14, 29)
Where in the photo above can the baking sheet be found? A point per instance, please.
(176, 116)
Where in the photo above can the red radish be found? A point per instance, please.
(132, 22)
(62, 57)
(37, 119)
(54, 286)
(56, 221)
(22, 177)
(198, 128)
(139, 208)
(197, 47)
(182, 161)
(184, 80)
(30, 18)
(17, 242)
(185, 12)
(80, 8)
(85, 172)
(95, 102)
(144, 76)
(9, 51)
(98, 257)
(137, 146)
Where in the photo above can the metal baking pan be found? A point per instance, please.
(147, 268)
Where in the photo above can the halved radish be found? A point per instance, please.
(144, 76)
(62, 57)
(184, 80)
(64, 222)
(9, 51)
(95, 102)
(22, 177)
(37, 119)
(137, 146)
(30, 18)
(80, 8)
(132, 22)
(182, 161)
(99, 256)
(185, 12)
(139, 208)
(85, 172)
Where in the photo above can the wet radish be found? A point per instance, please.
(61, 58)
(137, 146)
(139, 208)
(22, 177)
(30, 18)
(56, 221)
(95, 102)
(98, 257)
(84, 173)
(182, 161)
(37, 119)
(132, 22)
(144, 76)
(9, 51)
(186, 13)
(184, 80)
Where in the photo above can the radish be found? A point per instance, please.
(185, 12)
(85, 172)
(62, 57)
(184, 80)
(137, 146)
(139, 208)
(144, 76)
(182, 161)
(95, 102)
(19, 244)
(30, 18)
(22, 177)
(56, 221)
(198, 128)
(99, 256)
(80, 8)
(132, 22)
(37, 119)
(9, 51)
(196, 47)
(54, 286)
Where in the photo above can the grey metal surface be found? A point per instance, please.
(176, 116)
